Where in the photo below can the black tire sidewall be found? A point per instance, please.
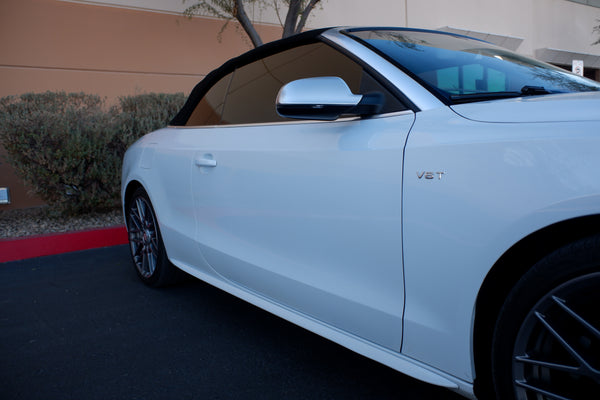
(162, 273)
(569, 262)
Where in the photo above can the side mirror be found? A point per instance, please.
(325, 98)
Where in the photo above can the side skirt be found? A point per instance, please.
(394, 360)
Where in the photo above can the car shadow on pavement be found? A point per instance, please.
(81, 326)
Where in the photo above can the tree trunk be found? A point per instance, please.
(304, 16)
(240, 14)
(289, 26)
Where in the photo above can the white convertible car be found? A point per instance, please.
(428, 200)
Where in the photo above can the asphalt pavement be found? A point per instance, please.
(81, 326)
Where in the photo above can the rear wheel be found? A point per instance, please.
(145, 242)
(547, 339)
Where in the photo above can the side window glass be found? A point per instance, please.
(369, 84)
(248, 94)
(254, 87)
(210, 109)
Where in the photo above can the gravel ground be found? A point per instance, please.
(39, 221)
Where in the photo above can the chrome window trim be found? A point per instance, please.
(295, 121)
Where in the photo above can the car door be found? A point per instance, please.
(306, 214)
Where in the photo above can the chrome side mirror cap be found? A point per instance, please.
(324, 98)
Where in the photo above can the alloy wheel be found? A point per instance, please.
(557, 350)
(143, 236)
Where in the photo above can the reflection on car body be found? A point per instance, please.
(425, 199)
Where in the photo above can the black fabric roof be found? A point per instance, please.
(260, 52)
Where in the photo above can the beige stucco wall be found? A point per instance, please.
(557, 24)
(57, 45)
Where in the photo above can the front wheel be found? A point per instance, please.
(546, 344)
(145, 242)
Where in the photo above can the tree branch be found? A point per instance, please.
(295, 19)
(304, 15)
(289, 26)
(596, 30)
(240, 14)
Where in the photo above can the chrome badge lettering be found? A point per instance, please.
(430, 175)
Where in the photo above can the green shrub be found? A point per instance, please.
(145, 113)
(69, 147)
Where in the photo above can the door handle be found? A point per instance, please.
(205, 161)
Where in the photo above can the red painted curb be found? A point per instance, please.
(47, 245)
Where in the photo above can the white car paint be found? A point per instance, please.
(375, 233)
(302, 217)
(501, 182)
(556, 108)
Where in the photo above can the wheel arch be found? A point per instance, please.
(502, 277)
(132, 186)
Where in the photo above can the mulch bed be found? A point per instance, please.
(40, 221)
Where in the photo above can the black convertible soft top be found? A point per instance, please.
(260, 52)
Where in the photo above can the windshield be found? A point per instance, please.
(459, 69)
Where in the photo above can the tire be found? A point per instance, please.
(546, 343)
(145, 242)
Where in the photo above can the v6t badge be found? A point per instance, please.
(430, 175)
